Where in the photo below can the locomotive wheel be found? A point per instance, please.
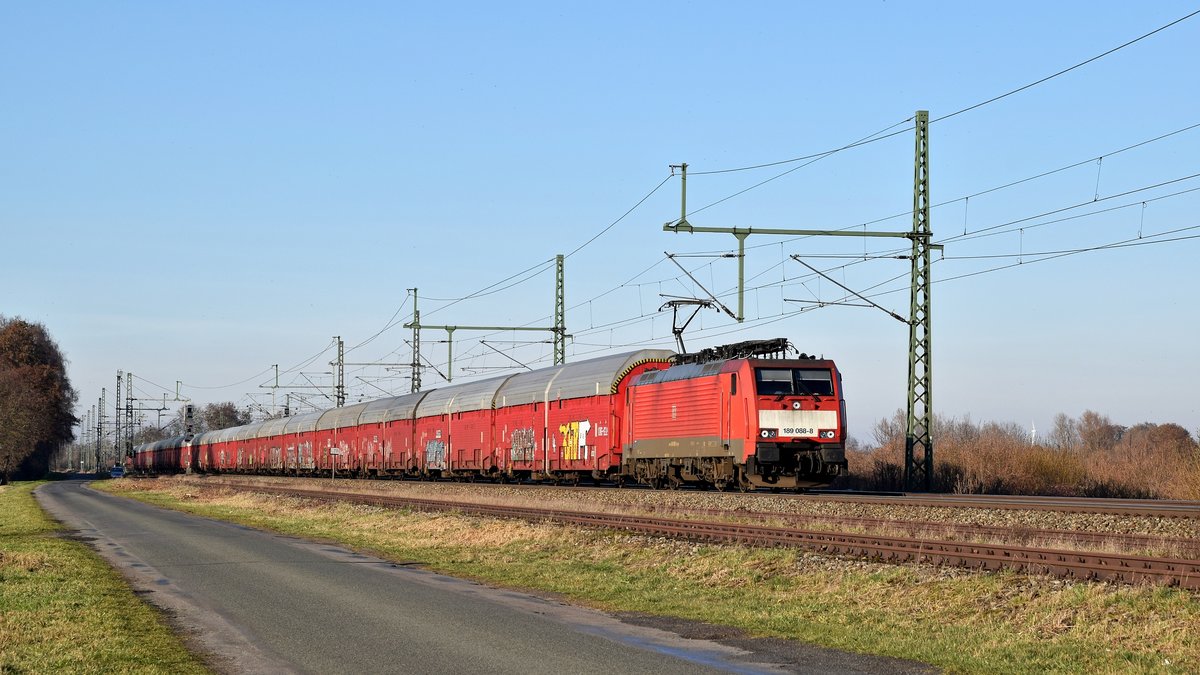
(743, 483)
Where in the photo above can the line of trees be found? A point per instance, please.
(36, 399)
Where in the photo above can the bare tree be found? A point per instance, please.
(224, 415)
(1097, 432)
(890, 430)
(1065, 435)
(36, 399)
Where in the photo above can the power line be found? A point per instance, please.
(975, 234)
(234, 384)
(908, 213)
(1065, 70)
(623, 215)
(391, 322)
(809, 159)
(1128, 243)
(812, 159)
(1140, 241)
(487, 290)
(536, 269)
(816, 155)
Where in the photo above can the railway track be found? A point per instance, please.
(1081, 565)
(1154, 508)
(1149, 508)
(1016, 534)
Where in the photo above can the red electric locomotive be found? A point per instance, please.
(729, 416)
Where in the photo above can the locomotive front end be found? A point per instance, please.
(798, 428)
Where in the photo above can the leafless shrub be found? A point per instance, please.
(1090, 456)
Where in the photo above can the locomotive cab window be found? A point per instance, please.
(793, 382)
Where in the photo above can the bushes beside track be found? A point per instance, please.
(1085, 457)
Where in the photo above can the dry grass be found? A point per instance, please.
(955, 619)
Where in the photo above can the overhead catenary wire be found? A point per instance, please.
(865, 256)
(1064, 71)
(893, 253)
(391, 322)
(993, 99)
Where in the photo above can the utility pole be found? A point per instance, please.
(918, 437)
(117, 417)
(99, 428)
(560, 313)
(918, 465)
(127, 442)
(558, 330)
(416, 345)
(340, 387)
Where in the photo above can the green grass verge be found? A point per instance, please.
(63, 609)
(960, 621)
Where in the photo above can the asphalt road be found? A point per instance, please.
(258, 602)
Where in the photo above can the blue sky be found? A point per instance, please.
(197, 191)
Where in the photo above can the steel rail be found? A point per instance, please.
(1081, 565)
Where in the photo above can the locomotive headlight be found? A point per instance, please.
(768, 433)
(795, 405)
(828, 433)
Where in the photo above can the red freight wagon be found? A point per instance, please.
(564, 422)
(164, 456)
(270, 445)
(453, 433)
(374, 452)
(335, 441)
(394, 420)
(246, 448)
(298, 443)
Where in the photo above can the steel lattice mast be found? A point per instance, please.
(918, 464)
(918, 436)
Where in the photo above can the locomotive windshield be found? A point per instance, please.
(793, 382)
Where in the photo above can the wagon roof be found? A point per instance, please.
(247, 431)
(224, 435)
(272, 427)
(305, 422)
(204, 438)
(600, 375)
(340, 418)
(391, 409)
(162, 444)
(462, 397)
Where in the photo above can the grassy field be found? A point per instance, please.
(63, 609)
(957, 620)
